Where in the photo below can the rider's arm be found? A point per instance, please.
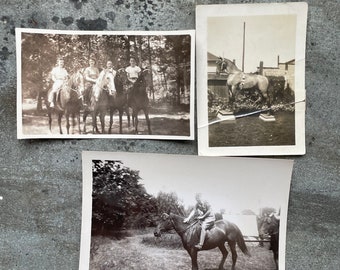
(192, 213)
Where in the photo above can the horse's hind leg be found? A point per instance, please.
(224, 255)
(232, 245)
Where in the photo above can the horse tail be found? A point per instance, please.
(241, 244)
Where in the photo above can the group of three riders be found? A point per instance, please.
(91, 73)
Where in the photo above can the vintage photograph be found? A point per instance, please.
(91, 84)
(250, 77)
(153, 211)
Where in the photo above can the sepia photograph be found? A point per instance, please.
(91, 84)
(250, 66)
(156, 211)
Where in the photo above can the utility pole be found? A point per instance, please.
(244, 39)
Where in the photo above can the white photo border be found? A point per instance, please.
(203, 12)
(21, 135)
(276, 166)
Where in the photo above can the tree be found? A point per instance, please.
(119, 200)
(169, 202)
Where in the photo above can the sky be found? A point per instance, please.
(233, 184)
(266, 38)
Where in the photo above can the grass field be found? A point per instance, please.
(143, 251)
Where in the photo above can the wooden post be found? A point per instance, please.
(261, 68)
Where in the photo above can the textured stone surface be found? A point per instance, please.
(40, 180)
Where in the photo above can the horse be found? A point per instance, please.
(238, 80)
(223, 231)
(138, 99)
(270, 227)
(68, 102)
(99, 100)
(119, 100)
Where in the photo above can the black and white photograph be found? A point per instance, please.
(250, 66)
(156, 211)
(104, 84)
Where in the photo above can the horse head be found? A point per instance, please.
(164, 225)
(120, 80)
(270, 225)
(143, 78)
(79, 81)
(220, 66)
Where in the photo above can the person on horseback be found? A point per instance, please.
(91, 74)
(59, 75)
(206, 215)
(133, 71)
(109, 68)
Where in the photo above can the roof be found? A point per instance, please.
(212, 57)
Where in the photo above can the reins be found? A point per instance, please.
(188, 227)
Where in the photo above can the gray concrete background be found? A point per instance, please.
(41, 180)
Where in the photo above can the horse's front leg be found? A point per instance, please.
(50, 120)
(78, 120)
(94, 122)
(193, 255)
(121, 121)
(111, 120)
(135, 120)
(67, 116)
(60, 115)
(102, 122)
(84, 121)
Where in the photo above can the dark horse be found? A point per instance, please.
(138, 99)
(238, 80)
(99, 100)
(119, 100)
(68, 102)
(270, 228)
(223, 231)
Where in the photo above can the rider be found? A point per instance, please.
(91, 74)
(109, 68)
(59, 75)
(206, 216)
(133, 71)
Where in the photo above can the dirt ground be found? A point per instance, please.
(164, 121)
(130, 253)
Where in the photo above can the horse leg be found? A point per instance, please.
(50, 120)
(84, 120)
(60, 115)
(121, 121)
(224, 255)
(94, 122)
(67, 116)
(111, 121)
(102, 121)
(193, 255)
(78, 120)
(135, 120)
(146, 111)
(232, 245)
